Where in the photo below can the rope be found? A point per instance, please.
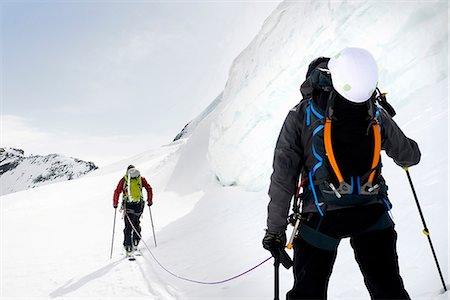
(188, 279)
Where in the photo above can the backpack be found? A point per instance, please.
(132, 187)
(325, 179)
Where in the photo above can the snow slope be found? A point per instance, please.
(56, 238)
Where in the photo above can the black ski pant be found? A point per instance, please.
(375, 253)
(133, 211)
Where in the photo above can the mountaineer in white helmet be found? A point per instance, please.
(331, 143)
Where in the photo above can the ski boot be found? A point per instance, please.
(129, 252)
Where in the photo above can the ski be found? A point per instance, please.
(131, 257)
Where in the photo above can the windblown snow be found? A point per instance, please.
(210, 185)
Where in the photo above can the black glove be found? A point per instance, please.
(115, 206)
(149, 203)
(275, 243)
(274, 240)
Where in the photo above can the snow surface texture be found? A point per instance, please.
(19, 172)
(56, 239)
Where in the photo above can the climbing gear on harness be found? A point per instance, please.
(295, 218)
(425, 229)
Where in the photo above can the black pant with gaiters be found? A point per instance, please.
(134, 211)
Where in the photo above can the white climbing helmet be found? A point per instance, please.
(354, 74)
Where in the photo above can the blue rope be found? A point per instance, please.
(187, 279)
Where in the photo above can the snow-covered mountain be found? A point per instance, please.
(210, 185)
(19, 172)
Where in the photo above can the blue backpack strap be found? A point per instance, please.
(311, 110)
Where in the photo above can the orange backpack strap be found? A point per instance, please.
(329, 150)
(332, 159)
(376, 150)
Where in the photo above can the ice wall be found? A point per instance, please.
(408, 39)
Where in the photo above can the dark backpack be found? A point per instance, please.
(325, 179)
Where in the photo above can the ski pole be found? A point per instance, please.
(276, 265)
(153, 227)
(425, 229)
(114, 228)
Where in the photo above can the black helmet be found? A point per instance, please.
(130, 167)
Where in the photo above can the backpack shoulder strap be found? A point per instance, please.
(373, 115)
(139, 179)
(125, 182)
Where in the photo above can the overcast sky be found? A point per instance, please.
(103, 81)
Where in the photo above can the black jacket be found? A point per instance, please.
(293, 156)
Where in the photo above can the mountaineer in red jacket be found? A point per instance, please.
(133, 204)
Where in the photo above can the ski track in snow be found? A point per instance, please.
(116, 276)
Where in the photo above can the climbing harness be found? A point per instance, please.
(188, 279)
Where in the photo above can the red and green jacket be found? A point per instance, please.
(121, 188)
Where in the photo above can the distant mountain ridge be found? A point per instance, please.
(19, 172)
